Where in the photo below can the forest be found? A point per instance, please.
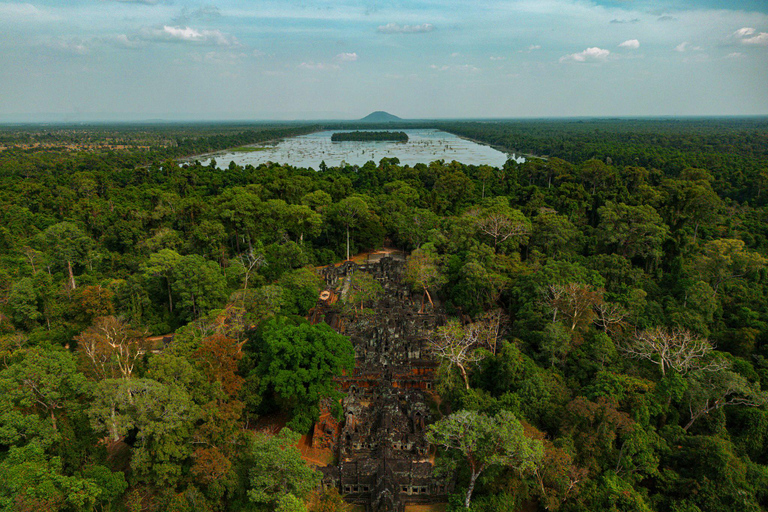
(152, 314)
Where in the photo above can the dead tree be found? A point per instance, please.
(679, 350)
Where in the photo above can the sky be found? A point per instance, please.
(82, 60)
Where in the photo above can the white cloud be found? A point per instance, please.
(347, 57)
(590, 54)
(191, 35)
(761, 39)
(462, 69)
(123, 41)
(72, 46)
(743, 32)
(534, 47)
(685, 46)
(632, 44)
(493, 57)
(318, 66)
(394, 28)
(734, 55)
(455, 54)
(12, 12)
(225, 58)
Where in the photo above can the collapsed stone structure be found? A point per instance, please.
(384, 461)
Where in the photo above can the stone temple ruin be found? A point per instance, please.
(384, 461)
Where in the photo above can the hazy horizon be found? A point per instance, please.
(231, 60)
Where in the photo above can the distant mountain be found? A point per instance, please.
(380, 117)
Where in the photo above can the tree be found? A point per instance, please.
(554, 234)
(349, 211)
(23, 302)
(218, 356)
(42, 382)
(251, 261)
(500, 222)
(679, 350)
(33, 481)
(200, 285)
(632, 230)
(486, 441)
(162, 264)
(727, 259)
(69, 243)
(576, 303)
(92, 302)
(457, 345)
(363, 288)
(298, 362)
(451, 190)
(422, 272)
(113, 347)
(694, 200)
(163, 416)
(712, 390)
(277, 474)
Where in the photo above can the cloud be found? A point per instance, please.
(743, 32)
(10, 12)
(760, 40)
(318, 66)
(534, 47)
(632, 44)
(394, 28)
(225, 58)
(590, 54)
(191, 35)
(666, 17)
(68, 45)
(633, 20)
(462, 69)
(123, 41)
(347, 57)
(493, 57)
(734, 55)
(685, 46)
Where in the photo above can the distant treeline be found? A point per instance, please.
(369, 136)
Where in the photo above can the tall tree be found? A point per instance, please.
(277, 474)
(486, 441)
(162, 264)
(349, 212)
(632, 230)
(113, 347)
(422, 271)
(457, 345)
(68, 243)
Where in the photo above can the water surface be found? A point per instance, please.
(423, 146)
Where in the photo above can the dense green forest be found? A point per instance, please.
(369, 136)
(627, 272)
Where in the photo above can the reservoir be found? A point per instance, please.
(423, 146)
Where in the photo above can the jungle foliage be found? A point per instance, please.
(613, 298)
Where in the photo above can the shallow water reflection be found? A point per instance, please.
(423, 146)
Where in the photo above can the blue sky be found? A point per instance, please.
(317, 59)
